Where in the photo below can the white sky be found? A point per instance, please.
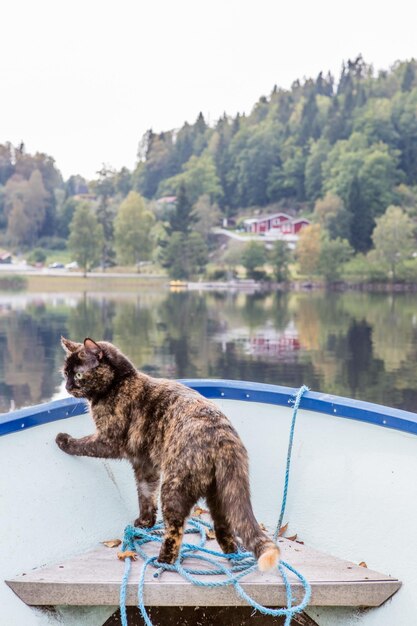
(83, 80)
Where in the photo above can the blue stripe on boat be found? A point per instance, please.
(232, 390)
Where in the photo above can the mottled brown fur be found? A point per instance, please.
(165, 430)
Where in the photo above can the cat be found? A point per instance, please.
(165, 429)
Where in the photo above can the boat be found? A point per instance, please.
(350, 513)
(177, 285)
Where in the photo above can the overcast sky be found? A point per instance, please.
(83, 80)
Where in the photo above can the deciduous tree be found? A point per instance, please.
(334, 254)
(280, 257)
(393, 238)
(26, 207)
(86, 237)
(253, 257)
(309, 248)
(207, 216)
(133, 225)
(331, 214)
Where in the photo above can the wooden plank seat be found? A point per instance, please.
(94, 578)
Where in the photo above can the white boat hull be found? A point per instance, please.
(352, 493)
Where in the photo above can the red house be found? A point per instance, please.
(293, 227)
(278, 223)
(266, 223)
(5, 257)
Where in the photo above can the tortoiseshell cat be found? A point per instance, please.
(164, 428)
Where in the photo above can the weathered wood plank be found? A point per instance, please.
(94, 578)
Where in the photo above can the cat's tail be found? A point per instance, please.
(232, 479)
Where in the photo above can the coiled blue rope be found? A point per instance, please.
(232, 566)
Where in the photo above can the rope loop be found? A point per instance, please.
(233, 567)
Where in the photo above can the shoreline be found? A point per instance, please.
(55, 283)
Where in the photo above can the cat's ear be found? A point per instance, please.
(93, 347)
(69, 346)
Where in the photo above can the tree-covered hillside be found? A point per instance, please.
(341, 151)
(355, 138)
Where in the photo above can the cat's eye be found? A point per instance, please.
(78, 375)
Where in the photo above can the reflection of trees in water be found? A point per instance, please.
(135, 333)
(351, 344)
(29, 371)
(231, 364)
(91, 317)
(361, 344)
(393, 321)
(362, 370)
(280, 310)
(255, 309)
(392, 318)
(185, 318)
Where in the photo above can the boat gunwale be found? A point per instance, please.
(337, 406)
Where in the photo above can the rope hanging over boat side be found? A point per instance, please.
(296, 403)
(232, 566)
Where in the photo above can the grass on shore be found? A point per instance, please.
(59, 284)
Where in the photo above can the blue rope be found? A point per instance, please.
(296, 402)
(233, 567)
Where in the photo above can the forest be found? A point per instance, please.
(340, 151)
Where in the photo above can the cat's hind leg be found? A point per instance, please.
(224, 534)
(176, 507)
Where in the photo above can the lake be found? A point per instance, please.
(361, 345)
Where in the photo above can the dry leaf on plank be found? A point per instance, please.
(127, 554)
(112, 543)
(283, 530)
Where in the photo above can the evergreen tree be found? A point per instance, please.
(123, 181)
(182, 217)
(7, 168)
(64, 216)
(105, 189)
(200, 125)
(309, 126)
(408, 77)
(185, 256)
(362, 222)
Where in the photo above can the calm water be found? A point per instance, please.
(351, 344)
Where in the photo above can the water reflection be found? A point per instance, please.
(353, 344)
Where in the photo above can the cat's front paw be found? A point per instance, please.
(63, 441)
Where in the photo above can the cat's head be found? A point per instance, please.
(92, 367)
